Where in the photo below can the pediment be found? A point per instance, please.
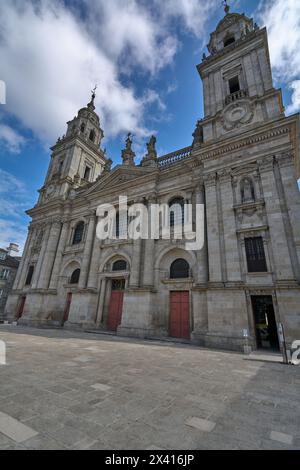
(118, 176)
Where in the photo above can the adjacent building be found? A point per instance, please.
(242, 164)
(8, 270)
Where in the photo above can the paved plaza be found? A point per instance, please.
(72, 390)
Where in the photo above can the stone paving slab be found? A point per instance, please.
(14, 429)
(74, 390)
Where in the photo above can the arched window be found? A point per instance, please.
(119, 265)
(82, 127)
(176, 212)
(247, 190)
(75, 277)
(229, 40)
(92, 135)
(78, 233)
(180, 269)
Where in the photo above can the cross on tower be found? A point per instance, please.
(226, 6)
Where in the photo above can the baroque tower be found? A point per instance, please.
(77, 158)
(237, 79)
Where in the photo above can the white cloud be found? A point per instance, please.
(14, 200)
(10, 184)
(12, 140)
(12, 232)
(295, 105)
(192, 13)
(283, 22)
(53, 55)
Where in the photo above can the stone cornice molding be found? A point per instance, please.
(243, 143)
(284, 159)
(266, 163)
(224, 175)
(210, 179)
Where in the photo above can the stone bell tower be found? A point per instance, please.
(77, 158)
(237, 79)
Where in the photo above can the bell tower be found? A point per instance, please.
(77, 158)
(237, 79)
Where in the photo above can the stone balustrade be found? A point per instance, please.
(174, 157)
(238, 95)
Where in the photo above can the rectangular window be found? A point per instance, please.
(29, 276)
(60, 167)
(234, 85)
(87, 173)
(5, 274)
(255, 253)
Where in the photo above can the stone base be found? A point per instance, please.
(215, 341)
(39, 323)
(136, 332)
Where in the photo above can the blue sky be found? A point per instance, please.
(143, 55)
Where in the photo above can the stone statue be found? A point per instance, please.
(129, 142)
(151, 158)
(198, 134)
(151, 146)
(247, 191)
(128, 154)
(107, 166)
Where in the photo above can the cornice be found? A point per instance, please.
(224, 149)
(257, 34)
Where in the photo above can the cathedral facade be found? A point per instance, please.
(242, 165)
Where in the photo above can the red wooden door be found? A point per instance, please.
(180, 314)
(21, 307)
(67, 309)
(115, 310)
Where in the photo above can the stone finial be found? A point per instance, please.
(128, 154)
(91, 104)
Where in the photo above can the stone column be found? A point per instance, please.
(85, 266)
(101, 302)
(23, 267)
(232, 267)
(50, 254)
(202, 259)
(59, 255)
(136, 263)
(40, 261)
(148, 274)
(213, 239)
(283, 254)
(93, 273)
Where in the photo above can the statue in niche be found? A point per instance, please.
(247, 190)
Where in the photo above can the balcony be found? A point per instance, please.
(238, 95)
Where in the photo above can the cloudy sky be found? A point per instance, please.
(141, 53)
